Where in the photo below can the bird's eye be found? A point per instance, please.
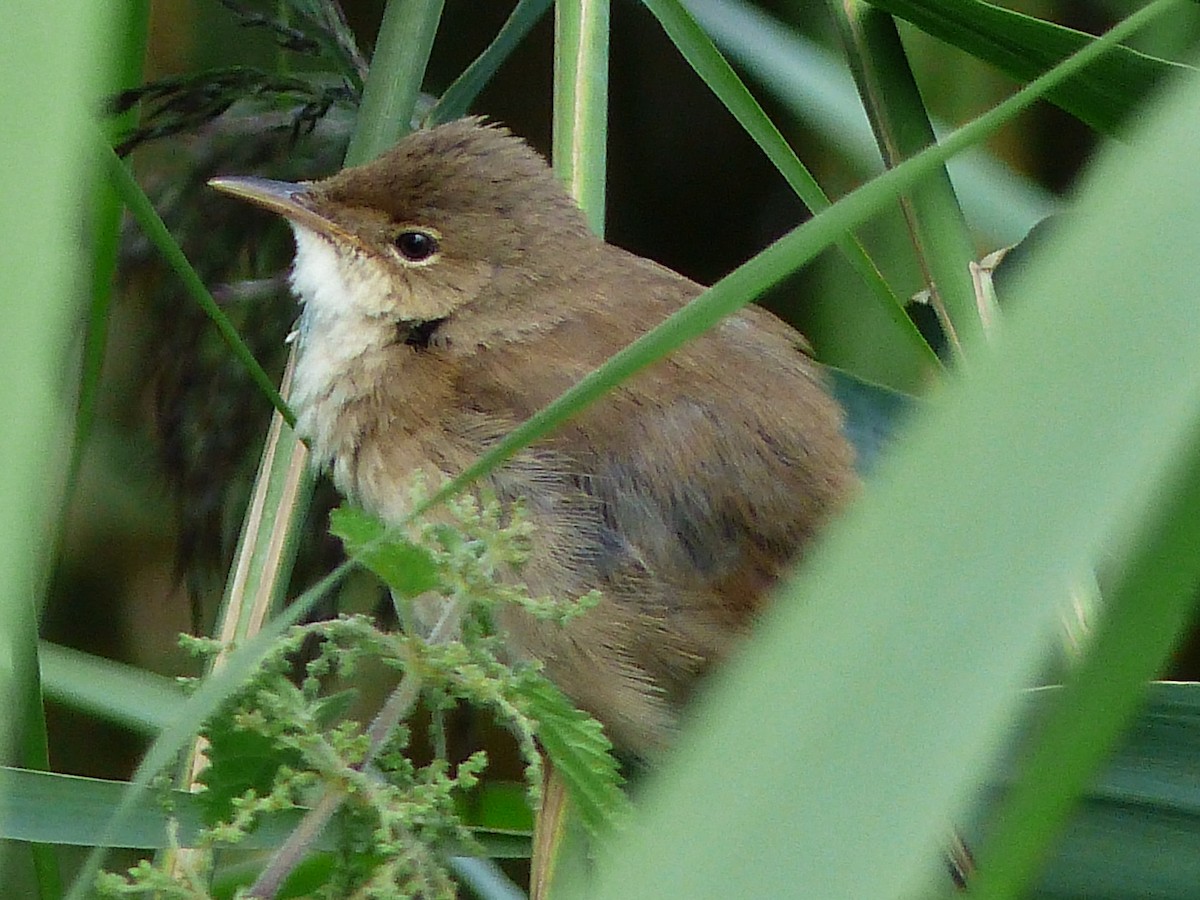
(416, 246)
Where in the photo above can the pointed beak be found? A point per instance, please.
(292, 201)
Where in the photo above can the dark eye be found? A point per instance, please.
(416, 246)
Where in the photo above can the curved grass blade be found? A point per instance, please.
(1102, 95)
(143, 211)
(884, 683)
(936, 225)
(1145, 614)
(702, 55)
(456, 100)
(813, 85)
(779, 260)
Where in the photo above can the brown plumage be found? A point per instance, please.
(451, 289)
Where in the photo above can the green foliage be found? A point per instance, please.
(409, 570)
(241, 762)
(277, 745)
(581, 754)
(1103, 96)
(701, 53)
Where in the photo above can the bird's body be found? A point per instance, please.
(452, 289)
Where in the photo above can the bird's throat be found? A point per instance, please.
(345, 295)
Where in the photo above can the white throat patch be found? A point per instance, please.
(345, 301)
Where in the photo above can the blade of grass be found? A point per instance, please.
(1145, 615)
(397, 69)
(1023, 47)
(580, 151)
(1142, 811)
(155, 229)
(106, 230)
(702, 55)
(260, 578)
(456, 100)
(49, 80)
(110, 691)
(581, 103)
(485, 879)
(813, 86)
(68, 809)
(884, 682)
(936, 224)
(105, 218)
(264, 559)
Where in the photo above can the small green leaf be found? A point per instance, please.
(334, 707)
(580, 751)
(407, 569)
(239, 761)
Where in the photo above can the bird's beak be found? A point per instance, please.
(292, 201)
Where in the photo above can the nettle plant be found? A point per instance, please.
(382, 825)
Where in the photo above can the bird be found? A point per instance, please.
(449, 290)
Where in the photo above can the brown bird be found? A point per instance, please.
(451, 289)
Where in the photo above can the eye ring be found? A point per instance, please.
(415, 245)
